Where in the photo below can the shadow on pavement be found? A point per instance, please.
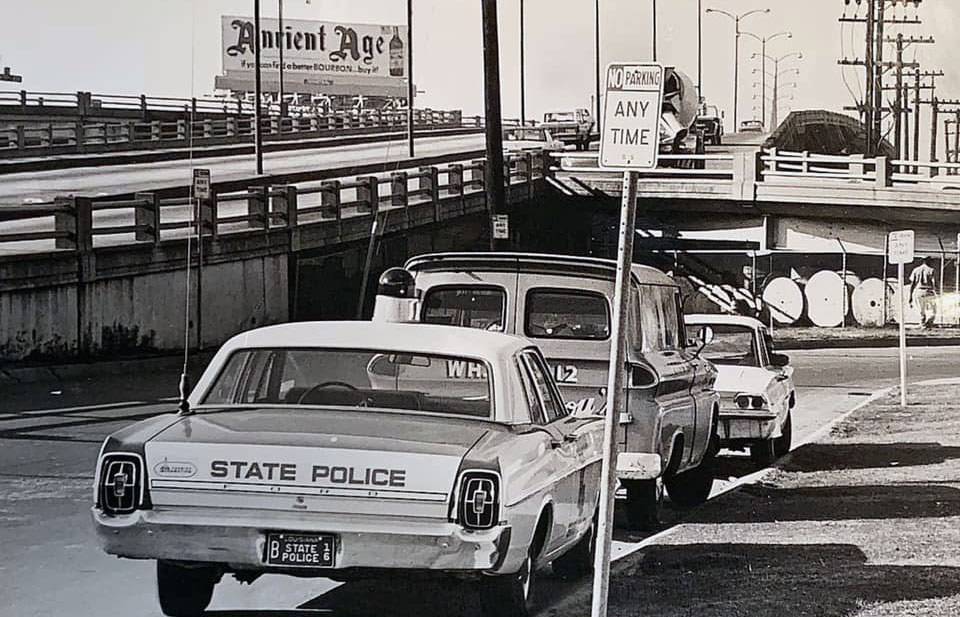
(766, 581)
(836, 457)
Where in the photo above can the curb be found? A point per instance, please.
(885, 342)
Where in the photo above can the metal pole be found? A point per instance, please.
(956, 142)
(868, 103)
(916, 122)
(410, 85)
(523, 90)
(736, 70)
(280, 46)
(368, 262)
(943, 257)
(886, 266)
(699, 49)
(934, 118)
(903, 340)
(615, 394)
(596, 40)
(763, 80)
(654, 29)
(898, 100)
(493, 181)
(257, 92)
(956, 275)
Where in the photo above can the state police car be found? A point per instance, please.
(337, 449)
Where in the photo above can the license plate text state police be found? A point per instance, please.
(304, 550)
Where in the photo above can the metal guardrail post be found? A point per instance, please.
(368, 194)
(257, 207)
(431, 183)
(77, 221)
(330, 198)
(146, 216)
(455, 179)
(285, 202)
(208, 215)
(399, 197)
(884, 172)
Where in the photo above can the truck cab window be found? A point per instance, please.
(471, 307)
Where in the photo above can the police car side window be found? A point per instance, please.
(530, 393)
(552, 406)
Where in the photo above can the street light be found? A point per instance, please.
(776, 81)
(736, 50)
(763, 53)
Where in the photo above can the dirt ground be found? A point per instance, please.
(863, 523)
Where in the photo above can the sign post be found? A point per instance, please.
(900, 253)
(629, 141)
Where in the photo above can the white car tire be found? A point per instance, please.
(509, 595)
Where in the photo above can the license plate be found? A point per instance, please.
(301, 550)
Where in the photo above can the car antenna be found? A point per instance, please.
(184, 386)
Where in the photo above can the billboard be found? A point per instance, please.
(318, 56)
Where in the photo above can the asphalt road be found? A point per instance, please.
(50, 435)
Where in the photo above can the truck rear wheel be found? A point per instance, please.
(185, 592)
(644, 502)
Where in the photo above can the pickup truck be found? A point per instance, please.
(668, 427)
(570, 127)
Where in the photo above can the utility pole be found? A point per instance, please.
(596, 41)
(523, 89)
(257, 91)
(283, 105)
(654, 22)
(699, 50)
(493, 179)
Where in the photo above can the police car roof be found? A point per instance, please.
(382, 336)
(726, 320)
(534, 262)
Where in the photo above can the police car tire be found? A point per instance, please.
(578, 561)
(509, 595)
(691, 488)
(644, 503)
(781, 445)
(184, 592)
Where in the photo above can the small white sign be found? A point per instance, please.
(631, 116)
(201, 184)
(900, 247)
(501, 227)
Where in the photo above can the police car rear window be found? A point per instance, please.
(561, 314)
(354, 378)
(467, 306)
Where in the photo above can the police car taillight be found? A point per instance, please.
(478, 503)
(121, 488)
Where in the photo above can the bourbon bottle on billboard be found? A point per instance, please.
(396, 54)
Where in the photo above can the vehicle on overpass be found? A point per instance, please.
(709, 123)
(540, 137)
(757, 393)
(751, 126)
(347, 449)
(668, 428)
(571, 127)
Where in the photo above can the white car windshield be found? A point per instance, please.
(354, 378)
(732, 345)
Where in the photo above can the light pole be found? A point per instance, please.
(776, 77)
(763, 54)
(654, 22)
(257, 91)
(736, 51)
(699, 50)
(523, 93)
(596, 40)
(280, 47)
(410, 85)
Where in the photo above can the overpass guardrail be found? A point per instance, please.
(83, 223)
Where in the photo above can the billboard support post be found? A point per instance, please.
(257, 91)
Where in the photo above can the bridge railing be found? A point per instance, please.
(785, 164)
(686, 166)
(76, 223)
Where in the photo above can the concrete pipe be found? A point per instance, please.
(867, 302)
(828, 299)
(913, 312)
(783, 297)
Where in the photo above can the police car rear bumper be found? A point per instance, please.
(237, 540)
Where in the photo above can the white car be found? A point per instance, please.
(341, 449)
(757, 393)
(516, 139)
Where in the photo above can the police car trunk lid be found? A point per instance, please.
(313, 460)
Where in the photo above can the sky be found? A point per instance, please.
(172, 47)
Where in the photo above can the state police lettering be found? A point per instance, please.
(319, 474)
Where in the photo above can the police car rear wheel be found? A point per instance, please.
(578, 561)
(185, 592)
